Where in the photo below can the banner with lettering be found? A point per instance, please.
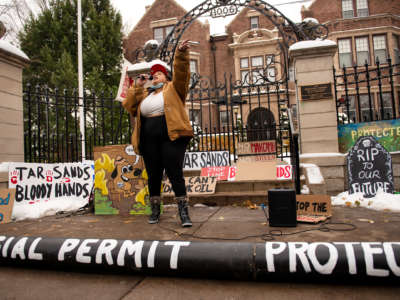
(44, 189)
(386, 132)
(198, 160)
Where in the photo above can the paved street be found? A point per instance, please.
(210, 224)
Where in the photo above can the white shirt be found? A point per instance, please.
(152, 104)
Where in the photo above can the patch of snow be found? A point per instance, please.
(381, 201)
(312, 20)
(313, 173)
(4, 166)
(311, 44)
(147, 65)
(305, 190)
(40, 210)
(7, 47)
(305, 155)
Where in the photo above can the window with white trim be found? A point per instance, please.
(387, 105)
(366, 108)
(345, 53)
(362, 51)
(347, 9)
(362, 8)
(380, 51)
(252, 69)
(160, 33)
(254, 22)
(223, 117)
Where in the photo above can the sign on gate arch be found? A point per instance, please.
(289, 31)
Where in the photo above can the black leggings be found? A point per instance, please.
(160, 153)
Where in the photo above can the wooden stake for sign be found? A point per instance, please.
(7, 197)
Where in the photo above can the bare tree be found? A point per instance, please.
(14, 13)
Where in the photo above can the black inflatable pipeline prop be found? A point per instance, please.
(347, 262)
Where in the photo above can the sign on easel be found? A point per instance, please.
(6, 204)
(369, 167)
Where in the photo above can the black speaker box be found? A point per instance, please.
(282, 208)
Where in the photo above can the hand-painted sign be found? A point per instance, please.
(195, 185)
(220, 173)
(257, 147)
(54, 187)
(6, 204)
(313, 208)
(120, 182)
(386, 132)
(284, 172)
(369, 167)
(198, 160)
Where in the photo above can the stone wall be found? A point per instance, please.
(11, 107)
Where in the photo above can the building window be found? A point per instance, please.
(366, 108)
(160, 33)
(347, 9)
(194, 116)
(387, 106)
(223, 117)
(362, 8)
(257, 62)
(252, 70)
(244, 63)
(194, 66)
(362, 50)
(380, 52)
(345, 54)
(254, 22)
(396, 49)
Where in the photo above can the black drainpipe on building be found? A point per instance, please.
(213, 49)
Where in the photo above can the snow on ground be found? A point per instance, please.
(43, 209)
(381, 201)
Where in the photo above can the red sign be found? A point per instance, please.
(283, 172)
(221, 173)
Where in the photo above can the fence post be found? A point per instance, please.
(317, 117)
(12, 62)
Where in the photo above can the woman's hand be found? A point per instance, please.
(141, 80)
(184, 45)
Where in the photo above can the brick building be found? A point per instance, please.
(363, 29)
(366, 31)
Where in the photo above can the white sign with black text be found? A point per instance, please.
(198, 160)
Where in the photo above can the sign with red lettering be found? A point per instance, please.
(221, 173)
(283, 172)
(257, 147)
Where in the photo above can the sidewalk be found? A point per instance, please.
(238, 224)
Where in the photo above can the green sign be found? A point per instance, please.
(387, 133)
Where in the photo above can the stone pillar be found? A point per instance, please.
(12, 62)
(313, 63)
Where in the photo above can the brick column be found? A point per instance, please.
(12, 62)
(313, 63)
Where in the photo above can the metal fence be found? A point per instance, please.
(365, 93)
(51, 124)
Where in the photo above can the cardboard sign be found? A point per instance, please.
(258, 158)
(247, 170)
(369, 168)
(120, 181)
(313, 208)
(6, 205)
(284, 172)
(256, 147)
(43, 189)
(195, 185)
(220, 173)
(198, 160)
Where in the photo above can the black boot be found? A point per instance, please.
(183, 206)
(155, 203)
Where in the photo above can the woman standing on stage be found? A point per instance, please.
(162, 129)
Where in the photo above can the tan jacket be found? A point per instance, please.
(174, 93)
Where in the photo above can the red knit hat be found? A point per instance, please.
(158, 67)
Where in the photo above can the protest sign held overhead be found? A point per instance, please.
(369, 168)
